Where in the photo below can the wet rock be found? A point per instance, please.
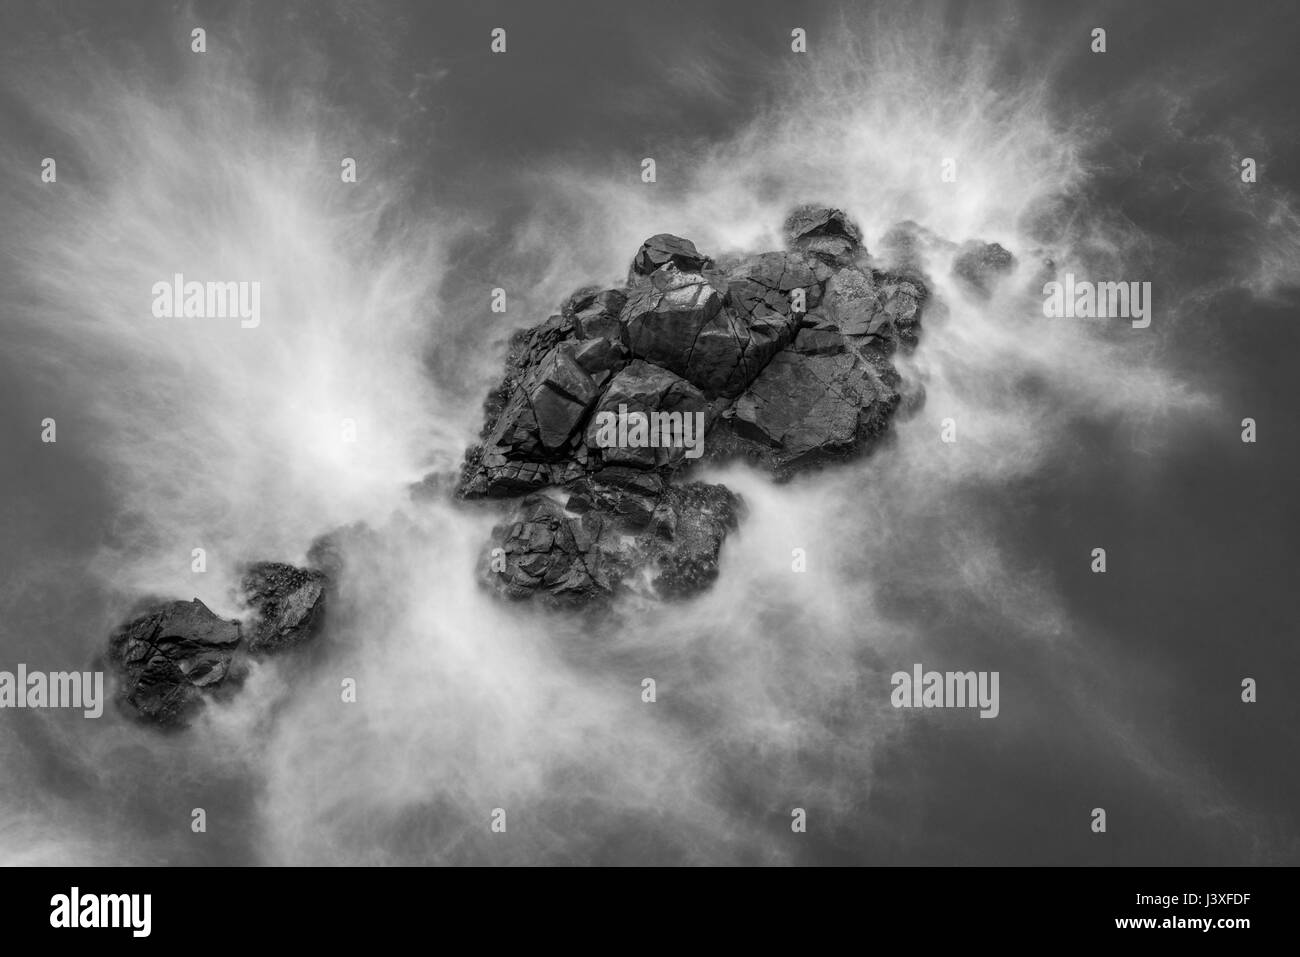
(289, 602)
(688, 529)
(596, 313)
(851, 302)
(623, 533)
(169, 656)
(546, 407)
(645, 388)
(823, 233)
(819, 342)
(600, 357)
(530, 444)
(717, 329)
(666, 318)
(658, 251)
(173, 655)
(805, 409)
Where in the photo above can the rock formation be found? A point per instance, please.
(784, 358)
(172, 655)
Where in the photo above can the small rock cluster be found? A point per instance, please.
(172, 655)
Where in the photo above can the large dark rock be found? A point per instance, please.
(806, 408)
(169, 655)
(786, 357)
(666, 317)
(547, 406)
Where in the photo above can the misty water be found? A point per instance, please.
(521, 171)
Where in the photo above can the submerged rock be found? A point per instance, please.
(979, 265)
(907, 245)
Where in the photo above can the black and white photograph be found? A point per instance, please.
(727, 434)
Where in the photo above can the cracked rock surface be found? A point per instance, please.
(784, 358)
(171, 656)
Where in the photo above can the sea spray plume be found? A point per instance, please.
(768, 681)
(243, 441)
(923, 527)
(867, 121)
(889, 96)
(202, 435)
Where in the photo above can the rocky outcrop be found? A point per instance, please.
(781, 359)
(173, 655)
(169, 656)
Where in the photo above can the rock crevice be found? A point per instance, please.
(171, 656)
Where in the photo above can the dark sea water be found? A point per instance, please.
(1119, 691)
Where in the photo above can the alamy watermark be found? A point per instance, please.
(1083, 299)
(179, 299)
(74, 909)
(654, 430)
(946, 689)
(57, 689)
